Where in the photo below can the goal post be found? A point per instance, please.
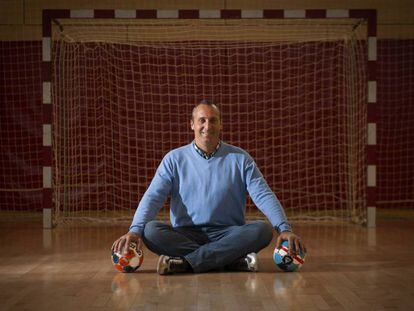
(296, 89)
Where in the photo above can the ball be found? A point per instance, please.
(285, 261)
(130, 261)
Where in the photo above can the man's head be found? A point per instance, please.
(206, 124)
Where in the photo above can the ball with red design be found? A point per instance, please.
(285, 261)
(130, 261)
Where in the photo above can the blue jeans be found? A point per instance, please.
(207, 247)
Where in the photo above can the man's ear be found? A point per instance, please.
(192, 124)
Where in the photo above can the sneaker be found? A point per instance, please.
(170, 265)
(247, 263)
(252, 262)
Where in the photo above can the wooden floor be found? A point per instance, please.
(347, 268)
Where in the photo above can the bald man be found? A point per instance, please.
(208, 180)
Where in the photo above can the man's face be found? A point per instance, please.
(206, 125)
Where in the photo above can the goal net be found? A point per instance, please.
(292, 93)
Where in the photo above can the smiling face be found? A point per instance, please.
(206, 125)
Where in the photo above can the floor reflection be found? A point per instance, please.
(372, 237)
(125, 284)
(251, 282)
(47, 239)
(284, 282)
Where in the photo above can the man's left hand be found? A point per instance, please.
(295, 243)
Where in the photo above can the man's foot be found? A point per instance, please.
(247, 263)
(170, 265)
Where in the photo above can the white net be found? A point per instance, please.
(291, 93)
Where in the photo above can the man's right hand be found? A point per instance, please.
(121, 245)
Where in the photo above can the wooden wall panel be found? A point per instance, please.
(11, 12)
(20, 32)
(395, 31)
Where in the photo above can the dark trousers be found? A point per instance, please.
(207, 247)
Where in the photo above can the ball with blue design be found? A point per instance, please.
(285, 261)
(130, 261)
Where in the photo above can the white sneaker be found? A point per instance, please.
(248, 263)
(252, 262)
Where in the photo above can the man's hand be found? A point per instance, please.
(121, 245)
(295, 243)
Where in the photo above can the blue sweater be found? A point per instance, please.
(208, 192)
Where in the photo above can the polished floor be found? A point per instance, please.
(347, 268)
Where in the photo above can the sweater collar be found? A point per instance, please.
(203, 154)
